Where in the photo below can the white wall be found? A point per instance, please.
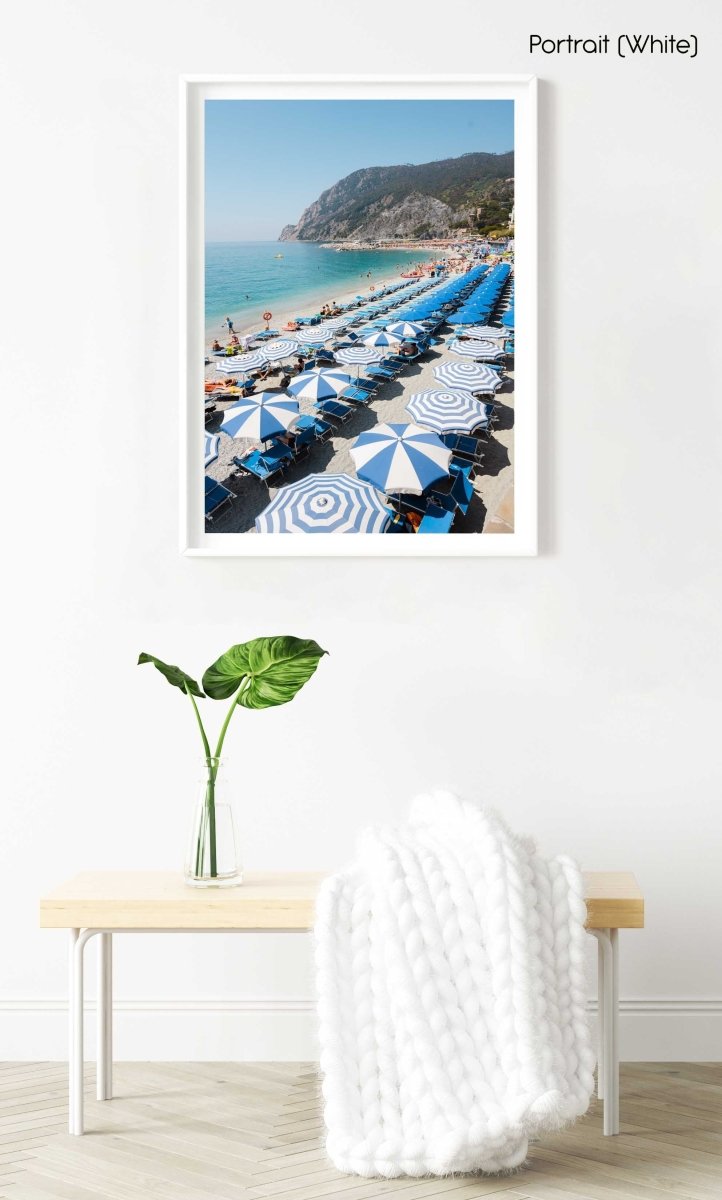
(579, 691)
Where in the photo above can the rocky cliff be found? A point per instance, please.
(425, 200)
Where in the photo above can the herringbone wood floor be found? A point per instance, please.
(235, 1131)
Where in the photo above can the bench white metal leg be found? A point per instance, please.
(608, 1024)
(72, 1049)
(104, 1079)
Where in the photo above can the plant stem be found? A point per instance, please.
(206, 744)
(199, 844)
(211, 807)
(210, 802)
(212, 764)
(221, 737)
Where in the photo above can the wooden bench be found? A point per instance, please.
(109, 902)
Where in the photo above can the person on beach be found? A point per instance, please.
(217, 345)
(229, 323)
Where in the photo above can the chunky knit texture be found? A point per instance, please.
(451, 993)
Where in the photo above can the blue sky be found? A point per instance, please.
(267, 160)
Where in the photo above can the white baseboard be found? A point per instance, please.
(283, 1029)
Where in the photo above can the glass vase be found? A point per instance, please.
(213, 859)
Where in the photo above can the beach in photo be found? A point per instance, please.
(359, 317)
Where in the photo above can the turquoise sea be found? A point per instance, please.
(243, 279)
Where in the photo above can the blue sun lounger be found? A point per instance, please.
(436, 520)
(264, 464)
(321, 429)
(382, 372)
(437, 511)
(465, 447)
(462, 489)
(334, 410)
(367, 385)
(216, 496)
(397, 523)
(358, 395)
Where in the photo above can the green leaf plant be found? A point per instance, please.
(262, 673)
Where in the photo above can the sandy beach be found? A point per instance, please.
(491, 511)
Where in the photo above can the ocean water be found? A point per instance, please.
(244, 279)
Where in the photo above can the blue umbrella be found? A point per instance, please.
(382, 338)
(449, 412)
(476, 349)
(406, 329)
(508, 319)
(320, 383)
(472, 376)
(357, 354)
(360, 355)
(242, 363)
(315, 333)
(260, 416)
(400, 458)
(484, 331)
(280, 348)
(324, 504)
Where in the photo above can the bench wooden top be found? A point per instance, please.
(267, 900)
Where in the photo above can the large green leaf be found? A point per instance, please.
(274, 669)
(174, 675)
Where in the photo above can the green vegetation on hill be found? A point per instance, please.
(474, 191)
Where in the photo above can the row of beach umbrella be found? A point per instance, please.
(268, 414)
(480, 304)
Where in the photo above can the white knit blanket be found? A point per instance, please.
(451, 993)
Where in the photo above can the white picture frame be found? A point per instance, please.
(195, 90)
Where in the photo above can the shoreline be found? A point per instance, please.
(309, 301)
(314, 300)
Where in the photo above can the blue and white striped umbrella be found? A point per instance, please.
(210, 449)
(472, 376)
(381, 338)
(279, 348)
(400, 458)
(320, 383)
(358, 355)
(242, 364)
(476, 349)
(260, 416)
(449, 412)
(324, 504)
(406, 329)
(315, 333)
(484, 331)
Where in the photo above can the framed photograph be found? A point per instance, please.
(358, 284)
